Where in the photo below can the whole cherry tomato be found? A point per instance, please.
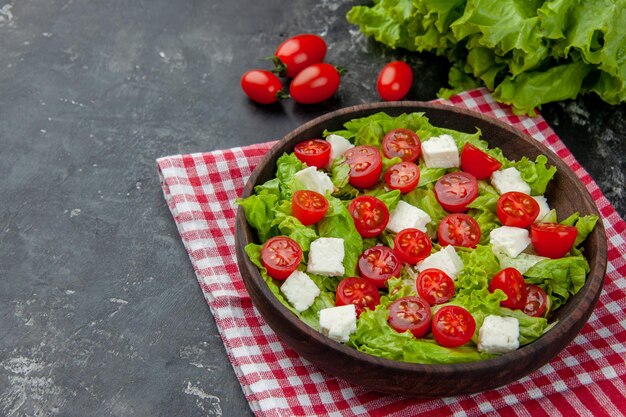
(313, 152)
(477, 162)
(281, 256)
(315, 83)
(261, 86)
(308, 206)
(298, 52)
(410, 313)
(394, 81)
(553, 240)
(511, 282)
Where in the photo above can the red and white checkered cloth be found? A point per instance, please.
(587, 378)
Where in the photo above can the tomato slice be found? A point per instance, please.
(477, 162)
(366, 165)
(458, 229)
(435, 286)
(403, 176)
(553, 240)
(403, 143)
(453, 326)
(308, 206)
(412, 245)
(410, 313)
(536, 301)
(379, 263)
(370, 215)
(313, 152)
(511, 282)
(456, 190)
(281, 256)
(517, 209)
(358, 291)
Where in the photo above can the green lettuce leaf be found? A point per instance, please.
(286, 167)
(537, 174)
(259, 211)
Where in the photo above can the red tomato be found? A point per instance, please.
(403, 176)
(379, 263)
(313, 152)
(511, 282)
(354, 290)
(308, 206)
(298, 52)
(456, 190)
(315, 83)
(553, 240)
(477, 162)
(453, 326)
(412, 245)
(261, 86)
(517, 209)
(403, 143)
(366, 165)
(370, 215)
(458, 229)
(536, 301)
(394, 81)
(410, 313)
(281, 256)
(435, 286)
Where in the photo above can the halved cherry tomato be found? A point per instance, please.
(366, 165)
(298, 52)
(477, 162)
(315, 83)
(553, 240)
(403, 176)
(379, 263)
(403, 143)
(435, 286)
(358, 291)
(517, 209)
(261, 86)
(412, 245)
(394, 81)
(511, 282)
(410, 313)
(536, 301)
(281, 256)
(308, 206)
(370, 215)
(456, 190)
(313, 152)
(453, 326)
(459, 229)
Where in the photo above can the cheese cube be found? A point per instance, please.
(338, 145)
(406, 216)
(544, 208)
(446, 259)
(338, 323)
(441, 152)
(509, 179)
(509, 240)
(300, 290)
(498, 334)
(326, 257)
(312, 179)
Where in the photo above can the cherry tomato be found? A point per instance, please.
(456, 190)
(298, 52)
(458, 229)
(410, 313)
(313, 152)
(308, 206)
(477, 162)
(536, 301)
(511, 282)
(553, 240)
(366, 165)
(403, 176)
(517, 209)
(379, 263)
(453, 326)
(412, 245)
(315, 83)
(394, 81)
(403, 143)
(354, 290)
(435, 286)
(370, 215)
(281, 256)
(261, 86)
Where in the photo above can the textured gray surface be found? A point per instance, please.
(100, 312)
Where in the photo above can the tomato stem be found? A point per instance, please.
(279, 66)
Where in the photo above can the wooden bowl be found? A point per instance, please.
(566, 194)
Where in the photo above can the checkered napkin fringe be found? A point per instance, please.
(587, 378)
